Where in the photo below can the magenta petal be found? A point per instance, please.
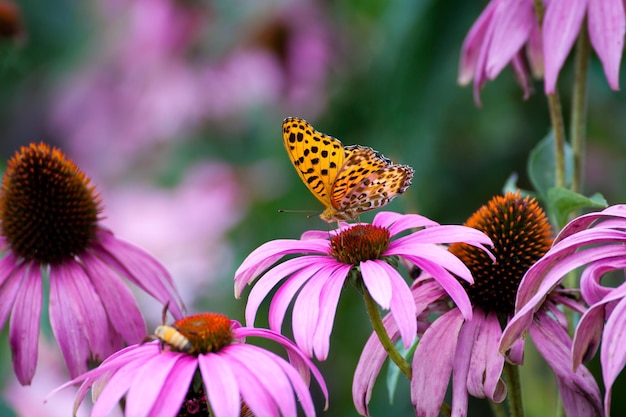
(474, 43)
(580, 393)
(513, 22)
(607, 25)
(432, 363)
(11, 275)
(403, 306)
(561, 25)
(308, 264)
(588, 335)
(613, 351)
(371, 361)
(591, 288)
(397, 223)
(173, 391)
(375, 279)
(24, 326)
(329, 298)
(221, 385)
(488, 370)
(460, 382)
(147, 385)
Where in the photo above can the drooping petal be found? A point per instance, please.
(474, 43)
(433, 254)
(534, 52)
(329, 298)
(561, 25)
(120, 304)
(521, 74)
(588, 335)
(221, 385)
(591, 287)
(487, 363)
(24, 326)
(397, 223)
(173, 390)
(141, 269)
(579, 390)
(613, 351)
(374, 277)
(11, 274)
(268, 253)
(371, 361)
(607, 25)
(461, 368)
(513, 23)
(432, 363)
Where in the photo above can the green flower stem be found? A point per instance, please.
(514, 388)
(556, 117)
(579, 106)
(497, 409)
(379, 328)
(539, 10)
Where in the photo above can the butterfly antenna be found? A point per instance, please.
(300, 211)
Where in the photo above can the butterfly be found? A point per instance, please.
(348, 180)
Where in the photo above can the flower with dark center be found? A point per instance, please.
(366, 251)
(49, 228)
(222, 373)
(595, 242)
(468, 349)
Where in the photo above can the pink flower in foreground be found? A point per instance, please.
(499, 35)
(595, 241)
(49, 227)
(159, 378)
(364, 251)
(467, 349)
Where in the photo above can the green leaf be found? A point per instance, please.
(542, 165)
(562, 202)
(393, 372)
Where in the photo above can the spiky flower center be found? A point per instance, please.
(207, 332)
(360, 243)
(521, 235)
(48, 208)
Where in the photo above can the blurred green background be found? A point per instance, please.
(140, 92)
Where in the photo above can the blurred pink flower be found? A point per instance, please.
(331, 258)
(184, 226)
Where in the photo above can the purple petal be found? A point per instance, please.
(371, 361)
(265, 284)
(487, 364)
(24, 325)
(474, 44)
(613, 351)
(580, 393)
(426, 293)
(460, 376)
(117, 299)
(173, 391)
(300, 387)
(221, 385)
(534, 52)
(561, 25)
(268, 253)
(591, 287)
(513, 22)
(432, 363)
(521, 74)
(431, 253)
(588, 335)
(141, 269)
(607, 25)
(11, 275)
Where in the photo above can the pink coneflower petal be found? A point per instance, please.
(171, 396)
(437, 348)
(118, 300)
(268, 253)
(141, 269)
(328, 301)
(513, 23)
(561, 25)
(10, 279)
(521, 74)
(299, 270)
(461, 385)
(221, 385)
(607, 25)
(486, 365)
(473, 44)
(534, 52)
(379, 289)
(77, 317)
(579, 391)
(397, 223)
(613, 351)
(24, 326)
(590, 286)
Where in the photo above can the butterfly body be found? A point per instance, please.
(347, 180)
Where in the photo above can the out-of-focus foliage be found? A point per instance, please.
(174, 108)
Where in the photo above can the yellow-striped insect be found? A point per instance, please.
(170, 336)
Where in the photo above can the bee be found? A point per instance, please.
(169, 335)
